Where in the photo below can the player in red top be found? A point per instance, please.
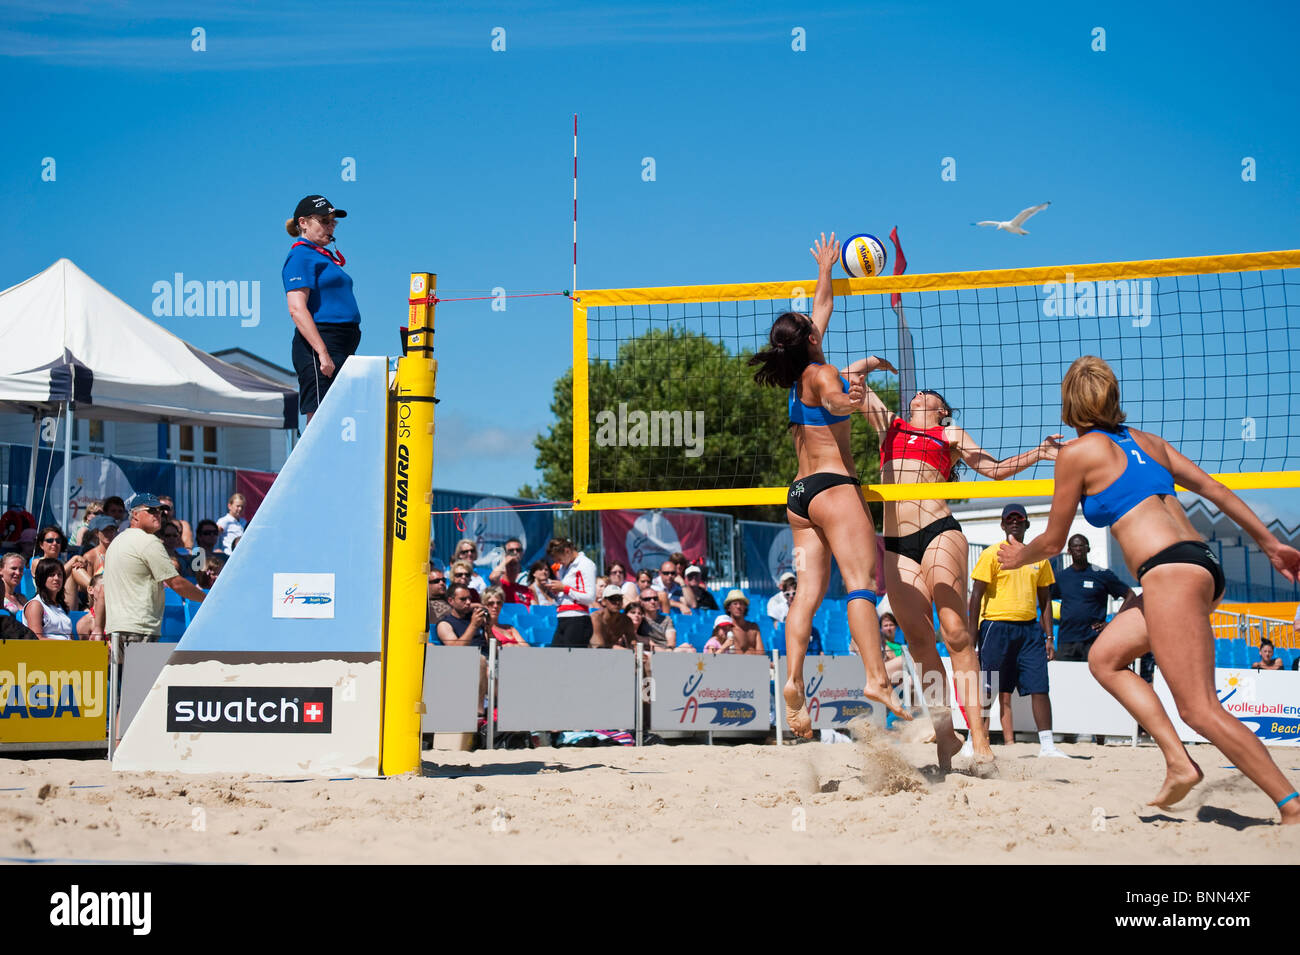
(926, 551)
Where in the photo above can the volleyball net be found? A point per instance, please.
(1207, 351)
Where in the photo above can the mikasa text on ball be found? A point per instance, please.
(863, 256)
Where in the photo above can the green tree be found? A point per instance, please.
(744, 440)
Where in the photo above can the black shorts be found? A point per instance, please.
(573, 631)
(913, 546)
(1189, 552)
(805, 489)
(341, 341)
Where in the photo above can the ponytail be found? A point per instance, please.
(781, 364)
(291, 227)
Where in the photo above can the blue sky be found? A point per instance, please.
(171, 160)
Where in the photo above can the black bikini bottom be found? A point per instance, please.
(1197, 553)
(914, 546)
(805, 489)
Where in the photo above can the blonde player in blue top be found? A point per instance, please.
(1125, 481)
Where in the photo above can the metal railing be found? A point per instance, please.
(1229, 625)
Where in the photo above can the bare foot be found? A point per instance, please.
(884, 695)
(1178, 783)
(1290, 813)
(945, 737)
(796, 711)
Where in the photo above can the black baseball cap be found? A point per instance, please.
(1015, 509)
(317, 206)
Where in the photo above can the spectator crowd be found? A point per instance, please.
(109, 576)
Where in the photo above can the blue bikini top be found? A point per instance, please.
(1142, 478)
(801, 413)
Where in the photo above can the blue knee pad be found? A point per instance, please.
(865, 595)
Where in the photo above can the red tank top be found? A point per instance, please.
(914, 444)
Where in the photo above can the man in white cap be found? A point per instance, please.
(609, 625)
(779, 605)
(695, 584)
(747, 638)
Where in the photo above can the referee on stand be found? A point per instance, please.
(320, 299)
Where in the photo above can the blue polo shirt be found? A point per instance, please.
(1083, 596)
(329, 299)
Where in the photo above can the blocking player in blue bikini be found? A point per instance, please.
(1125, 480)
(824, 506)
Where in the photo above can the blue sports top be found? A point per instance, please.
(1142, 478)
(801, 413)
(329, 289)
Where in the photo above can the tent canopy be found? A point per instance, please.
(67, 338)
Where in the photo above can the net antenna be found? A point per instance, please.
(906, 363)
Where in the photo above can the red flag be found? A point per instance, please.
(900, 266)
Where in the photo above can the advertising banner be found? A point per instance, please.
(92, 477)
(53, 691)
(639, 539)
(707, 692)
(305, 596)
(769, 553)
(489, 522)
(1267, 701)
(254, 485)
(833, 688)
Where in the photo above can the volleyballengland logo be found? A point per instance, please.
(303, 596)
(843, 703)
(724, 706)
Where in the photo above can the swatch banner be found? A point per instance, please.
(254, 485)
(92, 477)
(769, 553)
(489, 522)
(641, 539)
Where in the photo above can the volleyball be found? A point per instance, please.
(863, 256)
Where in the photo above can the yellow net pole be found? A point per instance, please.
(410, 470)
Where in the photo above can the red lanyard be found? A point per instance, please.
(340, 261)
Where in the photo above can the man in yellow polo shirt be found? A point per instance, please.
(1012, 643)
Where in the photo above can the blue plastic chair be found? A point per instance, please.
(191, 608)
(546, 617)
(1239, 652)
(512, 614)
(1222, 653)
(173, 622)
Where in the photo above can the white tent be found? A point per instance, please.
(71, 345)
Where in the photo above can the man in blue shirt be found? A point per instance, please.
(1082, 589)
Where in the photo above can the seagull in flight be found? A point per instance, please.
(1015, 224)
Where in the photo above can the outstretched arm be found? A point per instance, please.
(984, 463)
(873, 409)
(824, 298)
(1285, 559)
(1068, 479)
